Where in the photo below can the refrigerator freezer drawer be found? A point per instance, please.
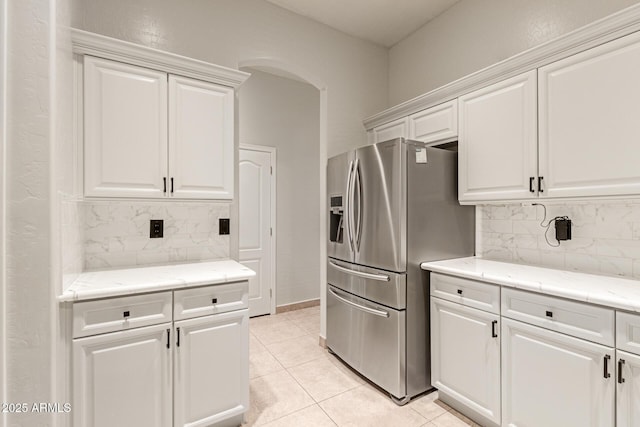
(381, 286)
(369, 337)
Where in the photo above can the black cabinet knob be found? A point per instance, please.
(214, 301)
(459, 291)
(549, 314)
(126, 313)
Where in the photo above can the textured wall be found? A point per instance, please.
(116, 233)
(283, 113)
(29, 290)
(605, 236)
(474, 34)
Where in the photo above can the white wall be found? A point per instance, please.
(473, 34)
(283, 113)
(3, 169)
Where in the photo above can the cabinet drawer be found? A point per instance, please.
(117, 314)
(628, 332)
(480, 295)
(189, 303)
(580, 320)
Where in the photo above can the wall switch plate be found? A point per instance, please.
(156, 228)
(223, 226)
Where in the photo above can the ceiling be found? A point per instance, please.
(384, 22)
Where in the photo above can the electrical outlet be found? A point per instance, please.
(156, 228)
(223, 226)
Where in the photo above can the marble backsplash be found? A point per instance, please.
(605, 236)
(116, 233)
(72, 235)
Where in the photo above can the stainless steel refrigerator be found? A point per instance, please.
(392, 206)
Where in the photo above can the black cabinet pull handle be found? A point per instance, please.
(531, 179)
(606, 366)
(549, 314)
(540, 178)
(178, 337)
(164, 180)
(171, 185)
(620, 363)
(168, 338)
(214, 301)
(126, 314)
(494, 334)
(459, 291)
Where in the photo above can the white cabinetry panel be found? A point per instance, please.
(589, 127)
(498, 140)
(465, 356)
(628, 389)
(125, 126)
(550, 379)
(439, 123)
(200, 139)
(123, 379)
(395, 129)
(211, 369)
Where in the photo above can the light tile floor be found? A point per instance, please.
(295, 382)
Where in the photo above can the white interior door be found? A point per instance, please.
(257, 233)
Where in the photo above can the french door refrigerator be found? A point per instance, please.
(392, 206)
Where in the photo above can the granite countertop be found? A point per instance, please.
(131, 281)
(608, 291)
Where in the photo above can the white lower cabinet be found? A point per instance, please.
(211, 369)
(465, 356)
(191, 372)
(123, 379)
(628, 389)
(551, 379)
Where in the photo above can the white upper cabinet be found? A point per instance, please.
(395, 129)
(435, 124)
(154, 124)
(125, 127)
(589, 107)
(498, 141)
(200, 139)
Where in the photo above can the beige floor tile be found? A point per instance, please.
(255, 346)
(263, 363)
(312, 416)
(267, 320)
(322, 379)
(302, 313)
(428, 406)
(345, 369)
(364, 407)
(310, 324)
(276, 331)
(296, 351)
(452, 419)
(274, 396)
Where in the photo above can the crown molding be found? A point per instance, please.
(602, 31)
(86, 43)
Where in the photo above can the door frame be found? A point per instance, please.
(274, 231)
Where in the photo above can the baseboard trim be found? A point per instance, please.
(297, 306)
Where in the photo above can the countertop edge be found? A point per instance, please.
(606, 299)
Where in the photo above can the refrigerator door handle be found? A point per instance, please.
(375, 312)
(352, 195)
(349, 207)
(379, 277)
(358, 181)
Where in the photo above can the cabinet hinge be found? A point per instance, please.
(270, 231)
(271, 170)
(270, 293)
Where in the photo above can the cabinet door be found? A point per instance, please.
(123, 379)
(628, 389)
(125, 125)
(211, 374)
(589, 127)
(439, 123)
(465, 356)
(497, 148)
(200, 139)
(550, 379)
(395, 129)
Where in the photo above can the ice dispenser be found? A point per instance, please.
(336, 215)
